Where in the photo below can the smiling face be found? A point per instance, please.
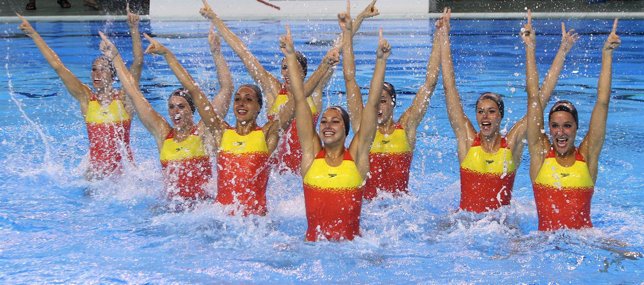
(180, 112)
(563, 131)
(385, 108)
(102, 74)
(246, 104)
(488, 117)
(332, 129)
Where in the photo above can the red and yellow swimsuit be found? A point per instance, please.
(333, 199)
(288, 156)
(486, 178)
(108, 131)
(390, 160)
(242, 176)
(186, 166)
(563, 194)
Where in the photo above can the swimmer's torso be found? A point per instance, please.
(186, 166)
(108, 131)
(333, 198)
(486, 178)
(563, 194)
(389, 163)
(242, 177)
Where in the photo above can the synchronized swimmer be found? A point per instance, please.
(337, 178)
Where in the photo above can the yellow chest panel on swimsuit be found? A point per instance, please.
(496, 163)
(395, 142)
(254, 142)
(555, 175)
(112, 113)
(281, 99)
(343, 177)
(191, 147)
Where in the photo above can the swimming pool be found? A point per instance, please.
(54, 233)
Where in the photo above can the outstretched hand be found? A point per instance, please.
(442, 24)
(527, 32)
(613, 40)
(286, 42)
(107, 47)
(384, 49)
(207, 11)
(568, 38)
(155, 47)
(132, 19)
(213, 40)
(25, 26)
(344, 19)
(369, 11)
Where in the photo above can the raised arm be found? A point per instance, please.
(221, 102)
(75, 87)
(309, 140)
(152, 120)
(137, 47)
(331, 58)
(592, 144)
(518, 132)
(269, 84)
(414, 114)
(463, 128)
(537, 140)
(362, 140)
(354, 97)
(209, 117)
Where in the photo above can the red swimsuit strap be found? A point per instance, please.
(345, 156)
(578, 156)
(171, 134)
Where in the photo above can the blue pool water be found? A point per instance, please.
(53, 232)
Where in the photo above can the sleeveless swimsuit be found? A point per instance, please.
(486, 178)
(186, 166)
(288, 156)
(242, 163)
(563, 194)
(108, 131)
(333, 199)
(390, 160)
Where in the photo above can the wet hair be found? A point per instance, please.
(110, 64)
(183, 93)
(258, 93)
(565, 106)
(301, 59)
(391, 90)
(345, 118)
(494, 97)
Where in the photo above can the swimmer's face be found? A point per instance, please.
(385, 108)
(285, 76)
(102, 75)
(246, 104)
(563, 131)
(180, 112)
(488, 117)
(332, 127)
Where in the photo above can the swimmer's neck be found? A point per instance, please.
(104, 93)
(182, 132)
(387, 126)
(491, 143)
(245, 127)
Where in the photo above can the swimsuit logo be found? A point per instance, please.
(178, 149)
(564, 174)
(385, 142)
(331, 175)
(239, 143)
(489, 161)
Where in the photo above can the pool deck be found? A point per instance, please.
(188, 10)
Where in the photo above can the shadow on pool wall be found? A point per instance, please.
(595, 6)
(116, 7)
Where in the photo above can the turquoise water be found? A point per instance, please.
(54, 232)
